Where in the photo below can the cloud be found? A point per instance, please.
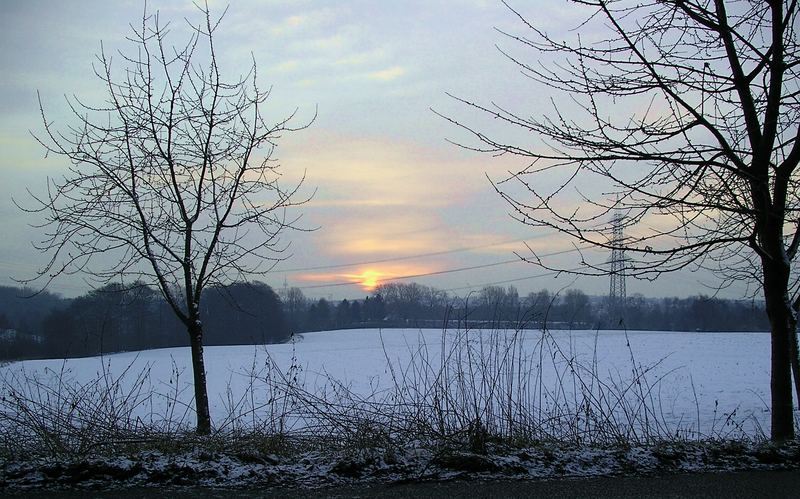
(364, 171)
(332, 43)
(387, 234)
(367, 276)
(287, 66)
(387, 74)
(302, 23)
(362, 58)
(295, 21)
(378, 197)
(338, 203)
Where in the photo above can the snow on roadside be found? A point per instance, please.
(318, 469)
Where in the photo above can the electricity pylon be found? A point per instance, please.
(617, 294)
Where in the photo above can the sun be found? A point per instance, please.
(370, 279)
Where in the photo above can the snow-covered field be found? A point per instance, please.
(706, 383)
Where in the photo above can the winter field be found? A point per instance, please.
(578, 386)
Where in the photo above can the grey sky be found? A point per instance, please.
(388, 184)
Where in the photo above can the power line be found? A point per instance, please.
(409, 257)
(424, 274)
(440, 272)
(381, 260)
(411, 276)
(517, 279)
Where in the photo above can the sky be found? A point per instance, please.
(392, 196)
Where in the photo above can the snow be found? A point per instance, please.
(700, 385)
(708, 384)
(315, 469)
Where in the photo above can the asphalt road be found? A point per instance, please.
(749, 484)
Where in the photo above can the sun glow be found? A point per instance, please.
(368, 279)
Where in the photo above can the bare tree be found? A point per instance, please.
(683, 117)
(172, 179)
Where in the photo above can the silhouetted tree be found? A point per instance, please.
(681, 115)
(172, 180)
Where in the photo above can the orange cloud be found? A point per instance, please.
(387, 245)
(368, 277)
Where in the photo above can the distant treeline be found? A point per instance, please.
(115, 318)
(415, 305)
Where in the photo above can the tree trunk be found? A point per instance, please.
(782, 328)
(795, 363)
(198, 366)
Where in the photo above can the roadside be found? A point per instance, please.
(722, 485)
(553, 470)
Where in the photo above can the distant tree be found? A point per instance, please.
(374, 308)
(355, 312)
(681, 115)
(63, 337)
(538, 306)
(26, 308)
(5, 322)
(490, 299)
(243, 314)
(498, 303)
(104, 315)
(19, 346)
(575, 308)
(706, 313)
(295, 305)
(402, 300)
(318, 317)
(112, 318)
(408, 301)
(638, 313)
(435, 302)
(343, 314)
(172, 180)
(139, 312)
